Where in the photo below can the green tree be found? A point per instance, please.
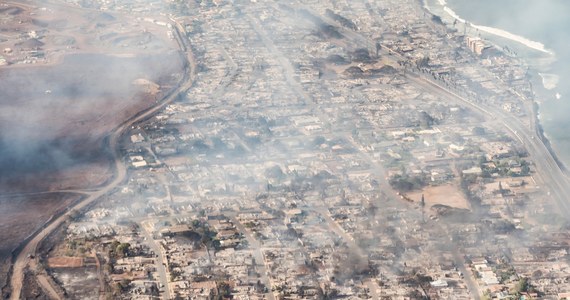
(123, 249)
(522, 286)
(174, 274)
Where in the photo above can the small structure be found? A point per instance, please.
(440, 283)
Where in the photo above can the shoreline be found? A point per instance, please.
(539, 78)
(546, 141)
(549, 81)
(538, 46)
(538, 126)
(513, 37)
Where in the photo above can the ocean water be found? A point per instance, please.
(539, 32)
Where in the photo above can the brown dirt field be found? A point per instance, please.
(177, 160)
(65, 262)
(448, 194)
(80, 30)
(20, 216)
(82, 175)
(52, 142)
(56, 113)
(89, 95)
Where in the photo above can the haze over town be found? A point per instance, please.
(221, 149)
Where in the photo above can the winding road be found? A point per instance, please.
(24, 257)
(546, 166)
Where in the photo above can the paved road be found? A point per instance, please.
(160, 262)
(468, 275)
(547, 168)
(23, 258)
(259, 261)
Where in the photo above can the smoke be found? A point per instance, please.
(246, 130)
(55, 116)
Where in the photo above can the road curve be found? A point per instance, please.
(23, 258)
(546, 166)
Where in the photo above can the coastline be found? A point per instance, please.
(549, 81)
(538, 126)
(540, 78)
(513, 37)
(496, 31)
(541, 135)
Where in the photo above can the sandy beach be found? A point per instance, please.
(498, 32)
